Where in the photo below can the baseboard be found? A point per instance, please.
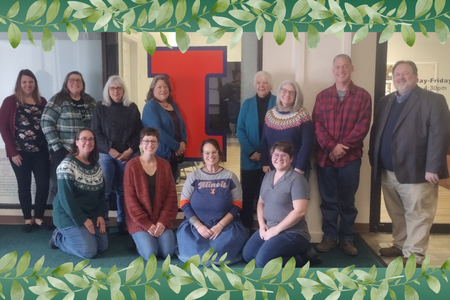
(315, 236)
(361, 227)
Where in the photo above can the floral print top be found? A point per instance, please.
(29, 136)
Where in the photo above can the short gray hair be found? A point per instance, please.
(115, 79)
(266, 75)
(298, 102)
(343, 56)
(406, 62)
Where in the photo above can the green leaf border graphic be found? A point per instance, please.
(218, 281)
(212, 19)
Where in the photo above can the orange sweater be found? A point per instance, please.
(139, 213)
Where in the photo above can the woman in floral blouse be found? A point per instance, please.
(26, 147)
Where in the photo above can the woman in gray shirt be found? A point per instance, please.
(281, 209)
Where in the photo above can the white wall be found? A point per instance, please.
(312, 70)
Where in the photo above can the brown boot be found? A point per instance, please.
(325, 245)
(391, 252)
(348, 248)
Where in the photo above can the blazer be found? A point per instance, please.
(420, 138)
(139, 213)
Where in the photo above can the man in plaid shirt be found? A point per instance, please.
(341, 118)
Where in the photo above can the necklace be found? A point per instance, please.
(166, 105)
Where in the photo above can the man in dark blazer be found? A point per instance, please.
(408, 147)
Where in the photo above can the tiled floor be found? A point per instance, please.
(439, 247)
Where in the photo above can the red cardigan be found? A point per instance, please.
(8, 123)
(139, 213)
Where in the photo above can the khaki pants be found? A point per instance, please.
(412, 208)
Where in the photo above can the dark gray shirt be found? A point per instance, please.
(278, 199)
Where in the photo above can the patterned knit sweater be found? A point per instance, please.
(81, 193)
(294, 127)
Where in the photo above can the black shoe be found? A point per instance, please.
(44, 226)
(27, 228)
(51, 242)
(312, 256)
(122, 226)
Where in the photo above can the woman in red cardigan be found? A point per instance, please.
(150, 199)
(26, 147)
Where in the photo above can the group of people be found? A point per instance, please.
(94, 149)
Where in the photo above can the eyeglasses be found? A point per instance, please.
(210, 153)
(84, 139)
(282, 155)
(284, 91)
(73, 80)
(116, 88)
(146, 142)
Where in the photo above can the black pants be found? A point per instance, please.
(39, 164)
(251, 184)
(57, 158)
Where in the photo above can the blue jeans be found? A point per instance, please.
(337, 187)
(284, 245)
(113, 171)
(80, 242)
(161, 246)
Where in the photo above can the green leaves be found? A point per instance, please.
(14, 10)
(422, 7)
(14, 37)
(408, 34)
(312, 37)
(36, 10)
(279, 32)
(442, 31)
(182, 39)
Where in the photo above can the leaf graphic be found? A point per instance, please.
(198, 293)
(77, 281)
(215, 279)
(23, 264)
(119, 4)
(13, 11)
(17, 292)
(242, 15)
(434, 284)
(135, 270)
(288, 270)
(53, 11)
(14, 37)
(30, 38)
(422, 7)
(312, 37)
(387, 33)
(151, 293)
(260, 27)
(165, 13)
(236, 37)
(361, 34)
(410, 293)
(442, 31)
(195, 8)
(180, 10)
(279, 33)
(301, 8)
(408, 35)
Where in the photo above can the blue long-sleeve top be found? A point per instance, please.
(155, 116)
(296, 128)
(248, 131)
